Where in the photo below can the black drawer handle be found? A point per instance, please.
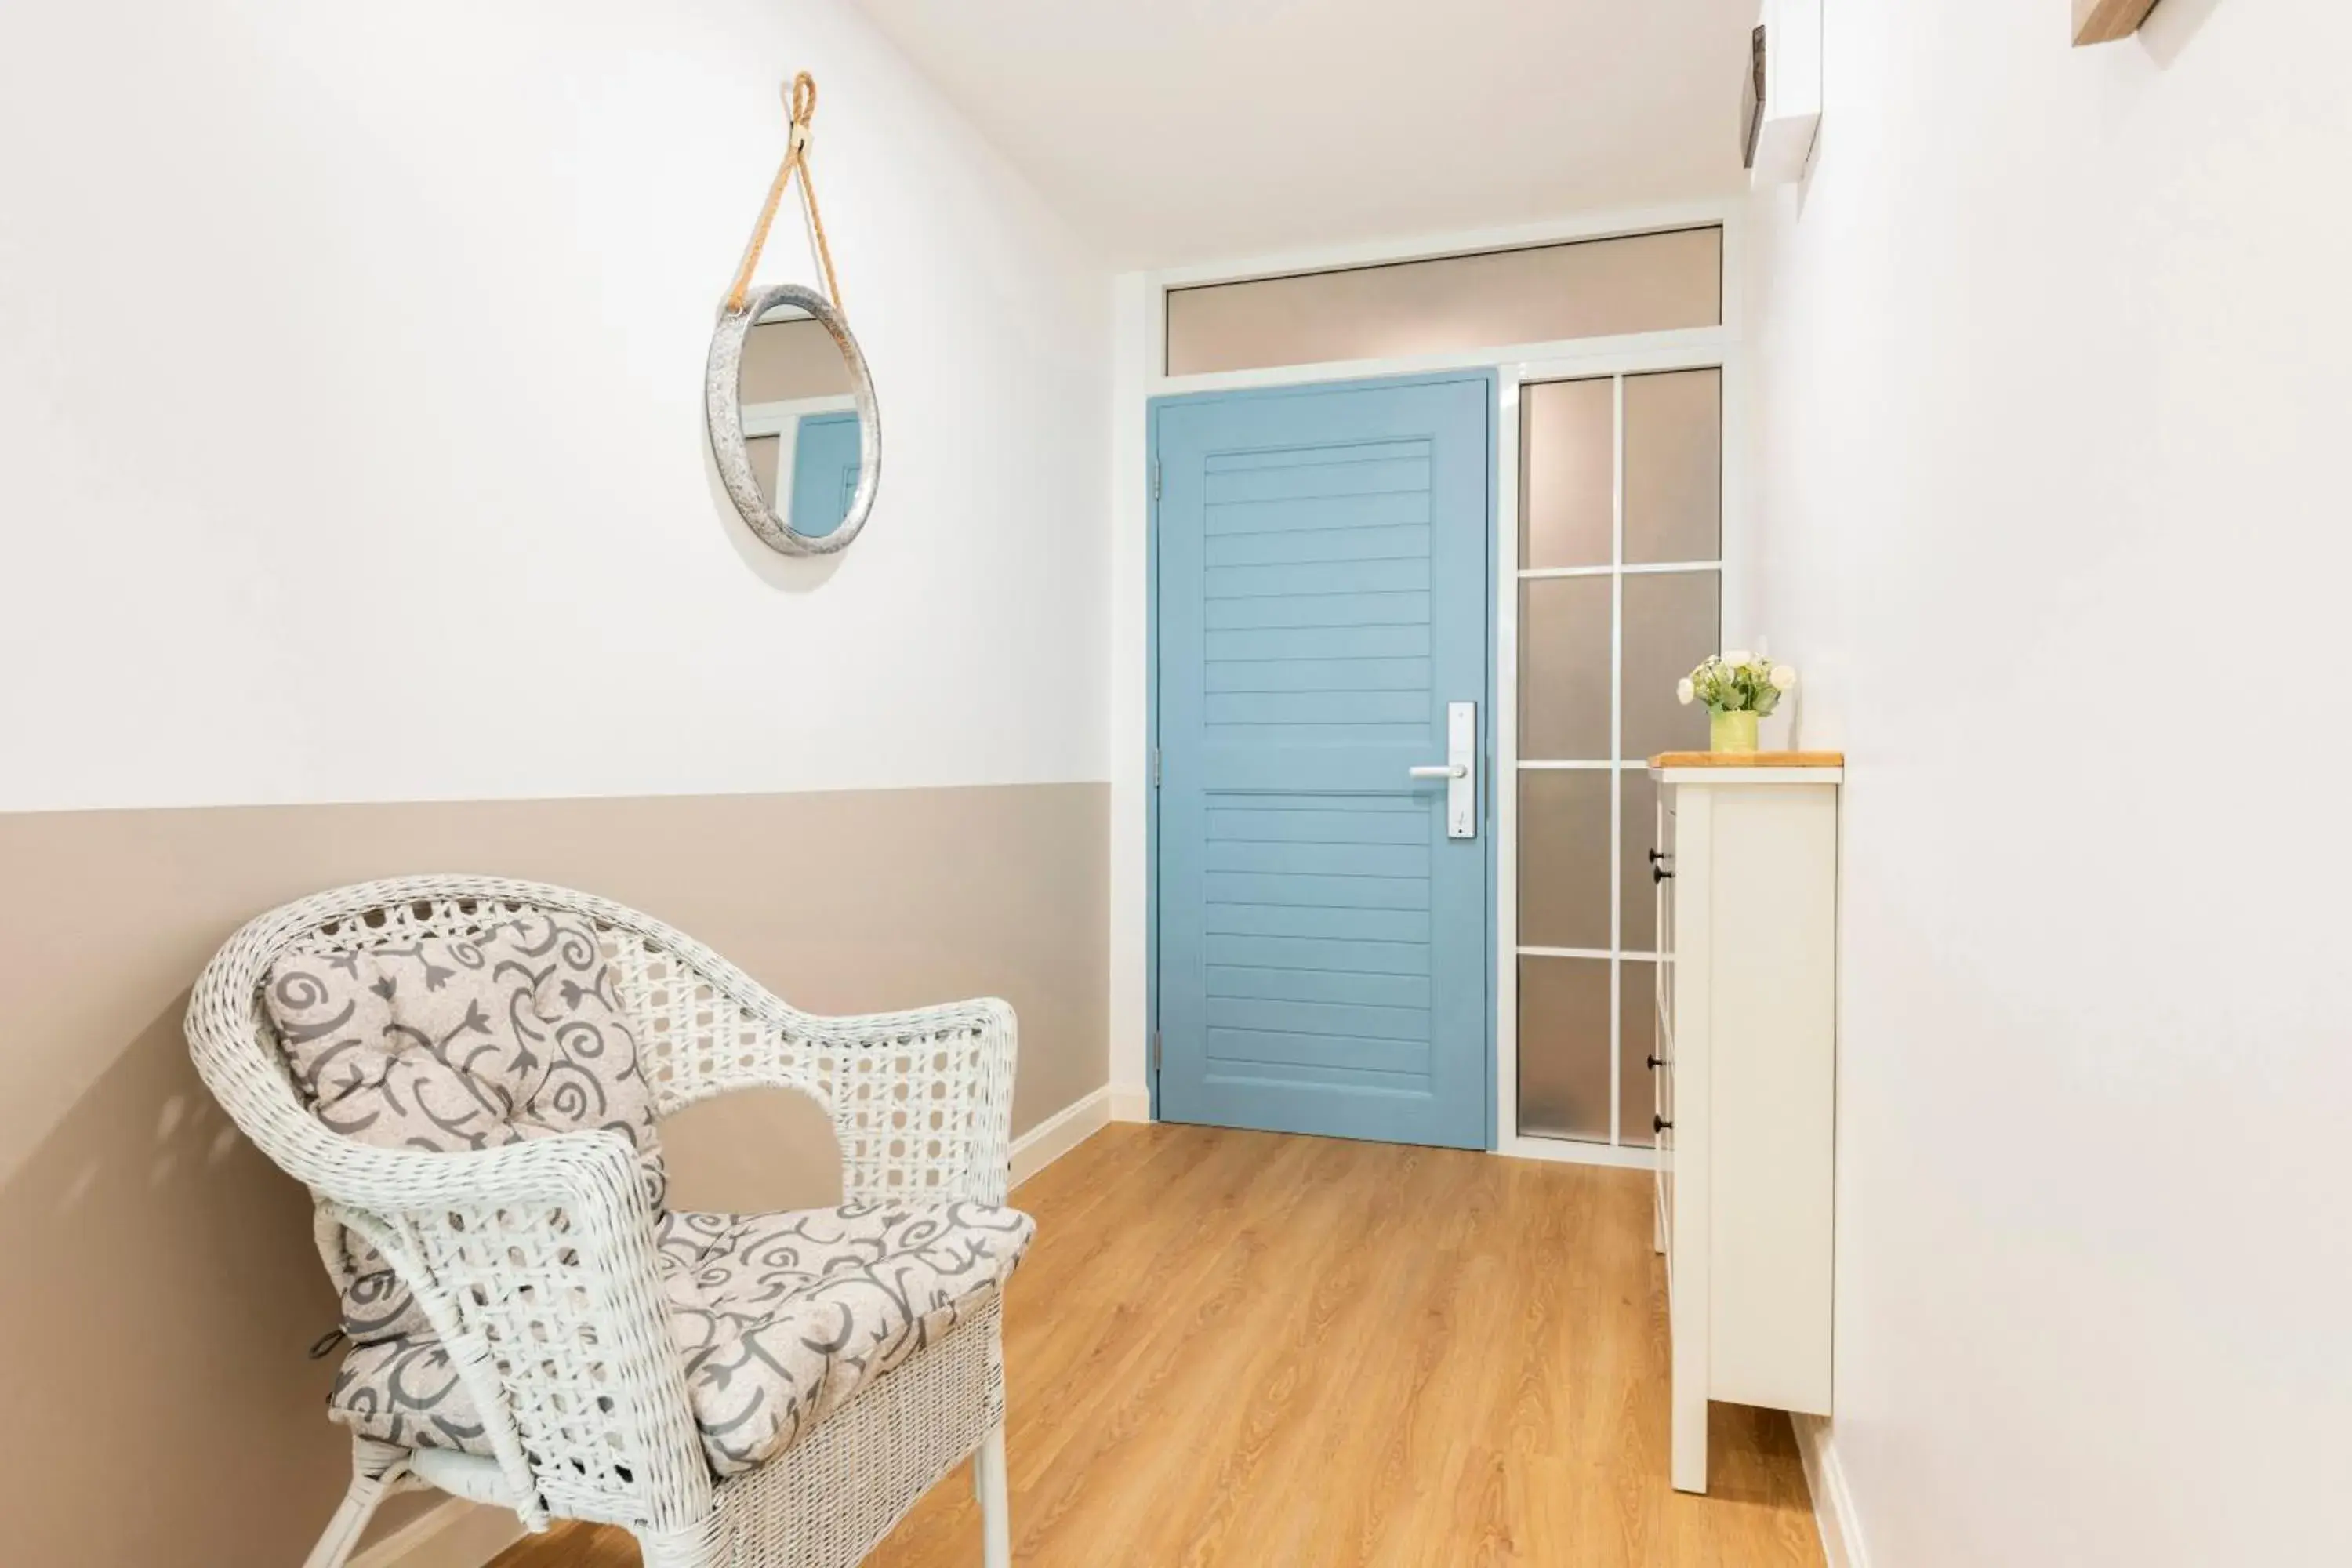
(1659, 1124)
(1656, 1062)
(1658, 873)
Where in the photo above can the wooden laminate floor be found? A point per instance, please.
(1245, 1348)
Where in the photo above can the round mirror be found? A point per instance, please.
(793, 422)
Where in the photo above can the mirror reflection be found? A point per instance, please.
(800, 426)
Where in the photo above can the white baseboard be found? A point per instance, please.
(1059, 1134)
(1129, 1104)
(458, 1534)
(1833, 1512)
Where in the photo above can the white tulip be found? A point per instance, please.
(1738, 656)
(1684, 692)
(1784, 676)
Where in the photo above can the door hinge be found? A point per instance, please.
(1155, 1051)
(1155, 767)
(1155, 481)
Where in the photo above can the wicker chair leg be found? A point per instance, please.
(696, 1546)
(996, 1511)
(377, 1470)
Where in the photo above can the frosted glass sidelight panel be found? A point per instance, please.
(1563, 858)
(1564, 669)
(1673, 620)
(1641, 833)
(1674, 466)
(1634, 283)
(1564, 1047)
(1567, 472)
(1637, 1008)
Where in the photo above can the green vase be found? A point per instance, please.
(1731, 732)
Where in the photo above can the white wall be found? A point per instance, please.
(2054, 404)
(351, 411)
(1136, 366)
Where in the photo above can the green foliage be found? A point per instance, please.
(1737, 682)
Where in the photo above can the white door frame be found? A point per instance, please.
(1140, 374)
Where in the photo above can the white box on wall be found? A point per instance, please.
(1787, 109)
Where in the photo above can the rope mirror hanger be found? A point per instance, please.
(832, 486)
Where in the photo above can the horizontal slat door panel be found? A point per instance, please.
(1347, 986)
(1325, 823)
(1314, 891)
(1236, 1050)
(1362, 925)
(1366, 1021)
(1318, 642)
(1306, 611)
(1402, 508)
(1319, 675)
(1318, 578)
(1319, 708)
(1231, 765)
(1328, 953)
(1321, 597)
(1319, 859)
(1384, 542)
(1315, 455)
(1317, 483)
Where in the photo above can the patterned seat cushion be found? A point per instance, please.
(781, 1319)
(456, 1043)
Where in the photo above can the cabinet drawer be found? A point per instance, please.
(1661, 1053)
(1662, 860)
(1662, 1083)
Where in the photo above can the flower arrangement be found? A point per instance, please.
(1737, 688)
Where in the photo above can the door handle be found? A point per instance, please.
(1459, 770)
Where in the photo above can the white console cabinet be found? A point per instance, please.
(1746, 1073)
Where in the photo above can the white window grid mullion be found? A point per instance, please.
(1538, 951)
(1628, 568)
(1616, 752)
(1506, 778)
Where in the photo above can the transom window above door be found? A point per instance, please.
(1483, 299)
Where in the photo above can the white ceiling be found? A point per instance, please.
(1179, 131)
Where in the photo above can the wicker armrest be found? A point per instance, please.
(535, 1264)
(920, 1100)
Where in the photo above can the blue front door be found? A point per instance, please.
(1321, 599)
(824, 471)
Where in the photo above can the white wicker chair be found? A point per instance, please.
(535, 1262)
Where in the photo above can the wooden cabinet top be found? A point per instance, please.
(1748, 759)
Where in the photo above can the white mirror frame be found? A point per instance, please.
(723, 403)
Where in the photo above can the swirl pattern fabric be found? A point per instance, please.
(780, 1319)
(453, 1043)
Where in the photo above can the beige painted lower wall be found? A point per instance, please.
(157, 1286)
